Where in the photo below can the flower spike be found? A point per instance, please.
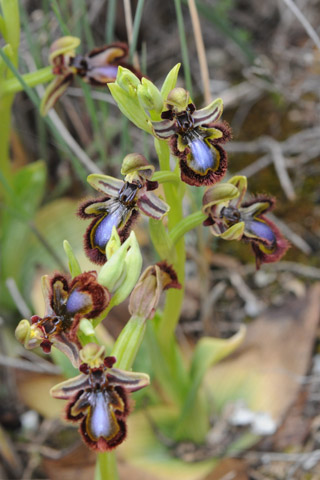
(231, 218)
(195, 138)
(99, 398)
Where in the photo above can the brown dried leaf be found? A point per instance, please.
(266, 371)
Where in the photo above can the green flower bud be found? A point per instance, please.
(132, 269)
(114, 244)
(149, 96)
(127, 80)
(121, 272)
(23, 332)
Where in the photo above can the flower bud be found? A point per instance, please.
(127, 80)
(146, 294)
(149, 96)
(121, 272)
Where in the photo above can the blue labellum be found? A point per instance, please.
(103, 229)
(108, 71)
(261, 230)
(77, 301)
(101, 425)
(203, 156)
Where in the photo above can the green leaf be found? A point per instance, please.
(208, 352)
(29, 186)
(170, 81)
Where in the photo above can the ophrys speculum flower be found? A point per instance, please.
(99, 398)
(67, 301)
(195, 138)
(232, 218)
(121, 204)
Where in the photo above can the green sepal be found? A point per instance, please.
(73, 263)
(170, 81)
(221, 193)
(130, 107)
(239, 181)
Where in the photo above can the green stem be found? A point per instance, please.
(128, 342)
(165, 176)
(32, 79)
(185, 225)
(106, 468)
(111, 16)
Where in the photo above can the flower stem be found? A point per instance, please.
(128, 342)
(32, 79)
(185, 225)
(106, 468)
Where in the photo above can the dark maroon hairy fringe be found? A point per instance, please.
(224, 128)
(81, 209)
(260, 198)
(70, 404)
(87, 283)
(102, 445)
(98, 50)
(282, 245)
(169, 270)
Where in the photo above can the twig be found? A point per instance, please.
(17, 298)
(19, 364)
(200, 50)
(304, 22)
(280, 167)
(253, 306)
(293, 237)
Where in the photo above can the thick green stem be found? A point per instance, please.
(186, 225)
(106, 468)
(128, 342)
